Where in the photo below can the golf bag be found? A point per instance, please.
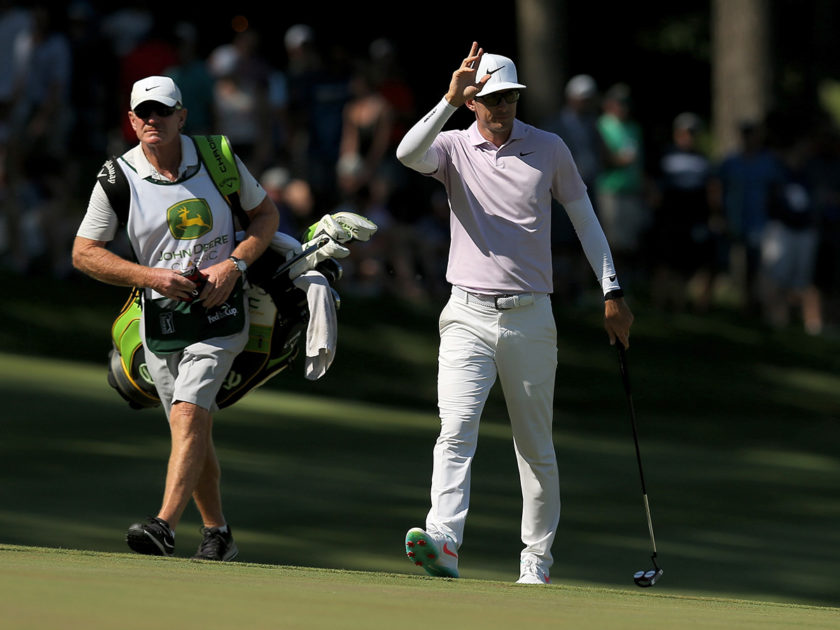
(279, 315)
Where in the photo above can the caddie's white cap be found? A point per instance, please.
(502, 73)
(160, 89)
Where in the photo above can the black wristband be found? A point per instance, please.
(614, 294)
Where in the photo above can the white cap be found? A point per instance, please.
(160, 89)
(298, 35)
(502, 73)
(275, 177)
(581, 86)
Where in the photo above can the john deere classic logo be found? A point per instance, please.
(190, 219)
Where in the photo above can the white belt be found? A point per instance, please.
(499, 302)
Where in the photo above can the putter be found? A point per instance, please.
(649, 577)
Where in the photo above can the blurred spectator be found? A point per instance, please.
(430, 242)
(191, 74)
(824, 168)
(94, 83)
(151, 56)
(319, 88)
(620, 188)
(126, 27)
(365, 137)
(293, 199)
(390, 79)
(15, 25)
(41, 123)
(743, 182)
(392, 263)
(241, 98)
(303, 61)
(577, 124)
(789, 244)
(683, 241)
(278, 111)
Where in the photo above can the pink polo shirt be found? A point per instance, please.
(500, 201)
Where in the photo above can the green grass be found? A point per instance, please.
(738, 428)
(90, 591)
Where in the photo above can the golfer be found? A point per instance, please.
(180, 227)
(500, 175)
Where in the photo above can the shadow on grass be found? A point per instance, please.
(738, 429)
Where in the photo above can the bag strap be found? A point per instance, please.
(115, 184)
(216, 153)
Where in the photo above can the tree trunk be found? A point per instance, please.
(542, 55)
(740, 68)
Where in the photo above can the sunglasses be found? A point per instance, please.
(145, 110)
(491, 100)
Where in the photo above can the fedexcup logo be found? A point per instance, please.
(190, 219)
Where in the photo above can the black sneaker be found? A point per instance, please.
(216, 545)
(152, 537)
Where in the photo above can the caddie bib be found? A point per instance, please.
(182, 226)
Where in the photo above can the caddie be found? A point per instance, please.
(191, 270)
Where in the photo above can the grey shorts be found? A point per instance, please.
(789, 257)
(197, 373)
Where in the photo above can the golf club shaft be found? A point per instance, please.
(288, 264)
(649, 523)
(625, 377)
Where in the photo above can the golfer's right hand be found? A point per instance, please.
(170, 284)
(463, 85)
(618, 318)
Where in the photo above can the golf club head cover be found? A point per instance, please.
(342, 227)
(284, 244)
(332, 249)
(359, 227)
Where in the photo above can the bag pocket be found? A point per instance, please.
(171, 326)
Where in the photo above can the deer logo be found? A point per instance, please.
(190, 219)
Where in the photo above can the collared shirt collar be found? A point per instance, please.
(516, 133)
(189, 161)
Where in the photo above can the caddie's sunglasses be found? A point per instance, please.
(144, 110)
(491, 100)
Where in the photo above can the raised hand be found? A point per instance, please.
(463, 85)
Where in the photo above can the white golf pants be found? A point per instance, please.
(519, 345)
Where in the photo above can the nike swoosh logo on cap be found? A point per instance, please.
(494, 71)
(154, 87)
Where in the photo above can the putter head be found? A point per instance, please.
(647, 578)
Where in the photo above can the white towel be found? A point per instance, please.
(322, 331)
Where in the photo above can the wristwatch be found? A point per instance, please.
(241, 265)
